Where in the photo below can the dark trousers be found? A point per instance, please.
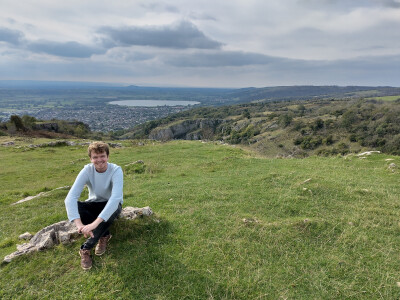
(89, 211)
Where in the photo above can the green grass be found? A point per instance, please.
(386, 98)
(334, 237)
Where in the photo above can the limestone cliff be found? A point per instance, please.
(187, 130)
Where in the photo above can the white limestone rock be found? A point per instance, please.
(25, 236)
(65, 232)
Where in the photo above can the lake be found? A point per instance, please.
(153, 103)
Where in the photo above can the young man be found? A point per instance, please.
(94, 217)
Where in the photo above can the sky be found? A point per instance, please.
(202, 43)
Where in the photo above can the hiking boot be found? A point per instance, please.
(102, 244)
(86, 259)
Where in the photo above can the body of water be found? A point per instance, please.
(153, 103)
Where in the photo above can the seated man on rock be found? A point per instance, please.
(94, 216)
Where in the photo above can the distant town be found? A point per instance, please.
(108, 117)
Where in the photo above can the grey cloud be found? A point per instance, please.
(66, 49)
(130, 56)
(157, 6)
(348, 5)
(201, 16)
(391, 3)
(179, 36)
(220, 59)
(14, 37)
(374, 40)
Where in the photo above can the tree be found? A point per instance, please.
(17, 122)
(28, 121)
(246, 114)
(285, 120)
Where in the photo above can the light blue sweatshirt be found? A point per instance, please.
(102, 187)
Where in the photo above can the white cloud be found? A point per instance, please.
(202, 43)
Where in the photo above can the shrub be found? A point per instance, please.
(246, 114)
(349, 118)
(17, 122)
(298, 140)
(298, 125)
(135, 168)
(353, 137)
(285, 120)
(343, 148)
(328, 140)
(317, 125)
(310, 143)
(28, 121)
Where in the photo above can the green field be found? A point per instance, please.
(316, 228)
(386, 98)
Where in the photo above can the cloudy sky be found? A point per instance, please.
(205, 43)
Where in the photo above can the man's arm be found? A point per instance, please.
(71, 201)
(116, 195)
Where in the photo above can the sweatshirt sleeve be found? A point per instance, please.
(116, 195)
(71, 201)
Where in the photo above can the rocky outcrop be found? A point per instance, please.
(392, 167)
(187, 130)
(46, 126)
(131, 213)
(64, 232)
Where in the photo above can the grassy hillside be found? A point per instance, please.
(233, 225)
(291, 128)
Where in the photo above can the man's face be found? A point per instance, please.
(99, 161)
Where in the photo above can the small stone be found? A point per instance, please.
(250, 220)
(25, 236)
(398, 284)
(368, 153)
(135, 163)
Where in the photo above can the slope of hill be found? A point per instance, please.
(233, 225)
(309, 91)
(289, 128)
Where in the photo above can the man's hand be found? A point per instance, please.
(79, 225)
(87, 230)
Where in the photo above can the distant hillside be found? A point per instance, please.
(290, 128)
(217, 97)
(307, 92)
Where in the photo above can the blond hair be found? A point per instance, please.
(98, 147)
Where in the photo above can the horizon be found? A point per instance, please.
(53, 83)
